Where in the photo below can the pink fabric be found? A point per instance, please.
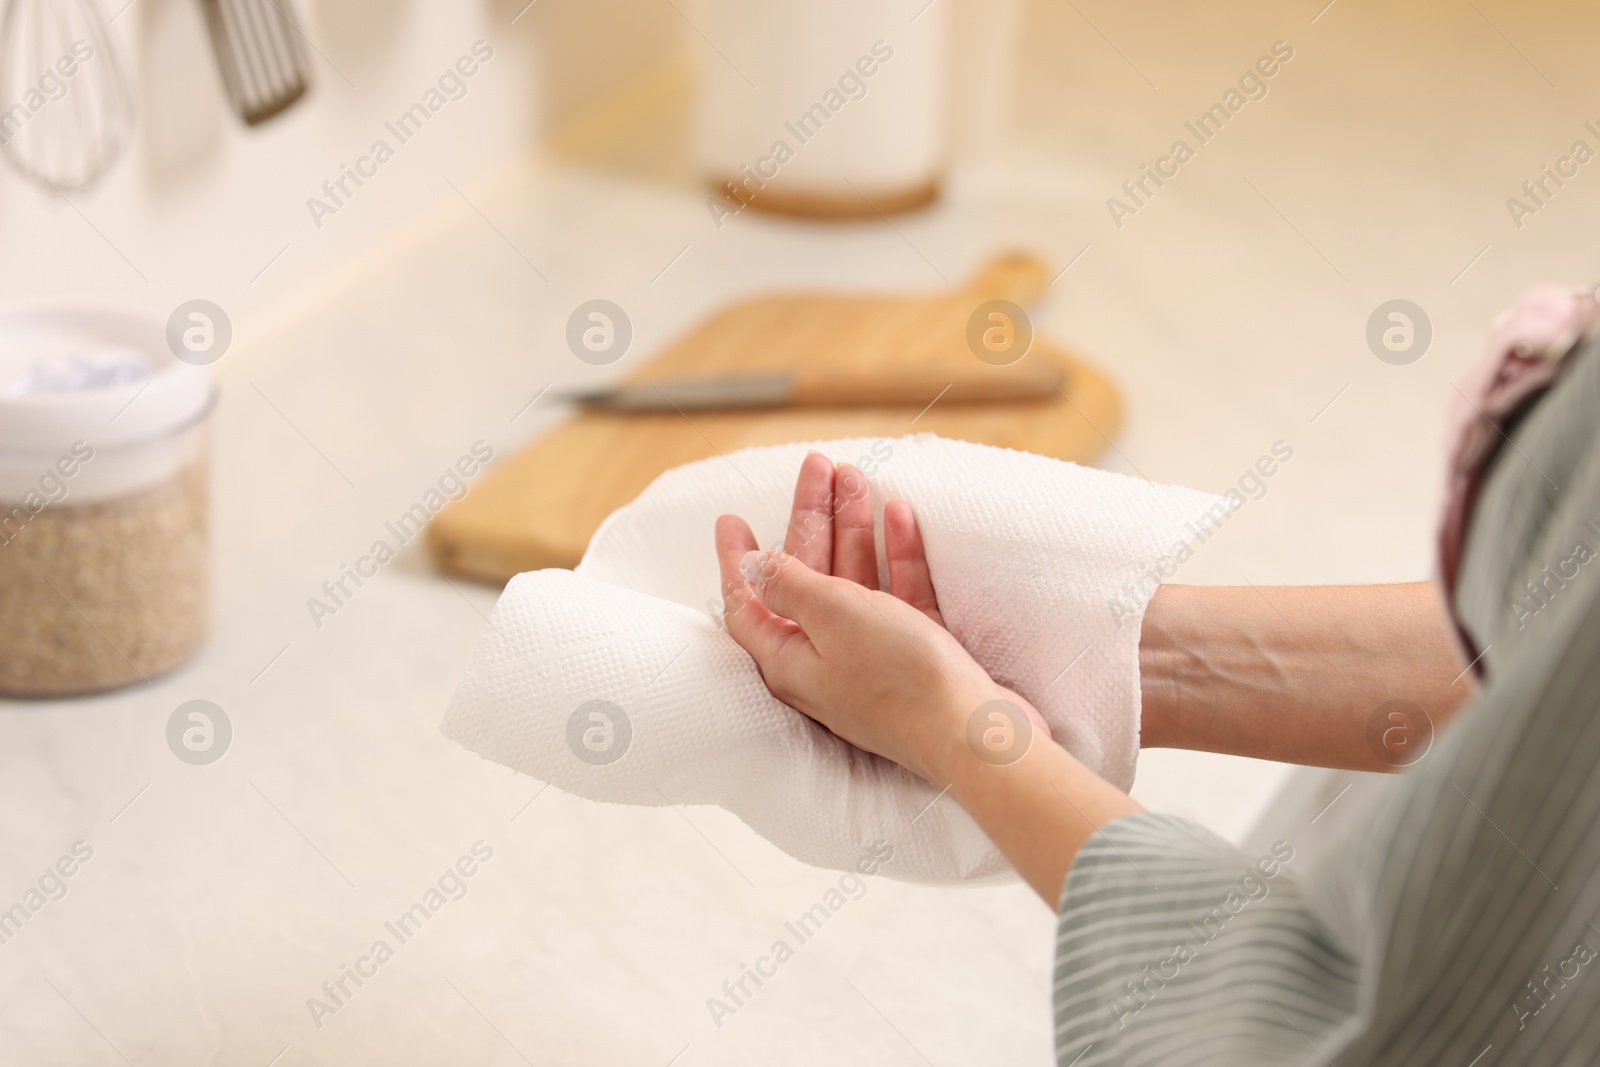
(1527, 350)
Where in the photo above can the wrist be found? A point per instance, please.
(971, 736)
(1164, 646)
(1038, 807)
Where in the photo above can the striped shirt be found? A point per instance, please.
(1459, 922)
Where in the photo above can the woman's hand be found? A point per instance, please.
(881, 671)
(878, 669)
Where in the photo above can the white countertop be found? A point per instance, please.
(1231, 311)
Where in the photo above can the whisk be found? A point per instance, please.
(66, 113)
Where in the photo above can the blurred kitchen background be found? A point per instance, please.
(429, 311)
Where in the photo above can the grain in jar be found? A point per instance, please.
(104, 547)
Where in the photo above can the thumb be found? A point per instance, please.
(789, 588)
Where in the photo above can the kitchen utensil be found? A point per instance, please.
(793, 389)
(540, 507)
(68, 110)
(259, 53)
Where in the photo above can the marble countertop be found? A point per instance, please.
(1231, 309)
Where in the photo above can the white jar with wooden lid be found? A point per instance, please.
(104, 545)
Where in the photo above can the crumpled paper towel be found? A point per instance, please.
(617, 683)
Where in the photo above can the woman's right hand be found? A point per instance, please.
(878, 669)
(881, 671)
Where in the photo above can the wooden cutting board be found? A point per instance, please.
(540, 507)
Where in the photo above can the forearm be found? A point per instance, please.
(1293, 673)
(1038, 811)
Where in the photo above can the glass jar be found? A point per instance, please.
(104, 543)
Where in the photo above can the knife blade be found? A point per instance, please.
(790, 389)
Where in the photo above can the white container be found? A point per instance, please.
(834, 108)
(104, 548)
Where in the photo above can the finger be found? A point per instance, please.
(809, 537)
(750, 623)
(855, 556)
(909, 578)
(792, 590)
(733, 540)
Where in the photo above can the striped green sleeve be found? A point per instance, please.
(1173, 946)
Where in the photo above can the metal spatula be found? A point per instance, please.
(258, 48)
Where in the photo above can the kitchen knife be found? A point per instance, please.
(791, 389)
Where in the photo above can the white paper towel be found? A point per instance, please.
(1042, 570)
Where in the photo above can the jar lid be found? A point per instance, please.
(102, 377)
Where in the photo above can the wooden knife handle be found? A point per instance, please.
(890, 389)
